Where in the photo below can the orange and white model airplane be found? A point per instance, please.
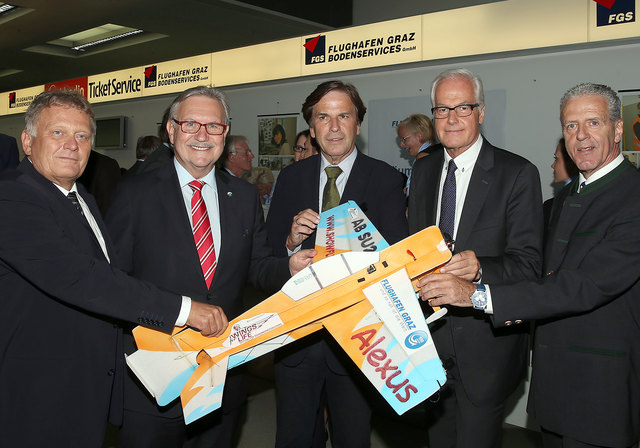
(362, 293)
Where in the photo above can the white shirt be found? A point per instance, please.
(464, 163)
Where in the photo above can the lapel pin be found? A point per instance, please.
(229, 193)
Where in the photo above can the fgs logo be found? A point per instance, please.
(616, 11)
(150, 76)
(315, 47)
(12, 100)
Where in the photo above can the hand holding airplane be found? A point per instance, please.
(366, 299)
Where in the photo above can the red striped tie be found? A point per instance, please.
(202, 232)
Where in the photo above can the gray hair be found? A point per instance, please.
(210, 92)
(231, 141)
(62, 98)
(459, 73)
(589, 88)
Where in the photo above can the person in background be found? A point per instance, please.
(488, 202)
(262, 178)
(8, 152)
(237, 156)
(164, 152)
(586, 357)
(305, 146)
(416, 135)
(564, 171)
(61, 362)
(144, 148)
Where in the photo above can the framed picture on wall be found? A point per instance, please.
(275, 140)
(631, 118)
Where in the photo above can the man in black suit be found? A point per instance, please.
(151, 224)
(61, 361)
(8, 152)
(100, 178)
(488, 200)
(586, 359)
(334, 112)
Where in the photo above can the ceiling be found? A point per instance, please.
(190, 27)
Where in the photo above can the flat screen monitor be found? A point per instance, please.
(111, 133)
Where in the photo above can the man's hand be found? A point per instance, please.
(304, 224)
(465, 265)
(446, 289)
(301, 260)
(209, 319)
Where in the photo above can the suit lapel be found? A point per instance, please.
(356, 186)
(431, 183)
(228, 203)
(479, 185)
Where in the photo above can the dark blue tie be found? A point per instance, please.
(74, 200)
(448, 203)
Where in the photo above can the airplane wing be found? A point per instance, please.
(389, 340)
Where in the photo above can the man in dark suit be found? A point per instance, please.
(100, 178)
(153, 230)
(145, 146)
(334, 112)
(8, 152)
(586, 359)
(488, 201)
(61, 361)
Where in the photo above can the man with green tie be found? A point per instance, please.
(334, 112)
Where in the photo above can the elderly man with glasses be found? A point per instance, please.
(237, 156)
(488, 201)
(190, 227)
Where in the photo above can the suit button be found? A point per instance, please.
(508, 323)
(111, 372)
(517, 321)
(550, 272)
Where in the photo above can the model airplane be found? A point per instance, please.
(364, 298)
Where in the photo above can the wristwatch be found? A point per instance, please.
(479, 297)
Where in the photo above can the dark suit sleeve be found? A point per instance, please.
(522, 255)
(36, 244)
(598, 267)
(265, 271)
(282, 211)
(390, 217)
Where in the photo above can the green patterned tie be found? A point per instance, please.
(330, 195)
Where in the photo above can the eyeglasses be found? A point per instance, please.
(192, 127)
(404, 139)
(244, 152)
(462, 110)
(299, 148)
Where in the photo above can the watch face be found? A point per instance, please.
(479, 299)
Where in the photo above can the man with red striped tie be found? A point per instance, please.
(191, 228)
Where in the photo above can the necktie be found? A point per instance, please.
(202, 232)
(448, 203)
(74, 200)
(330, 195)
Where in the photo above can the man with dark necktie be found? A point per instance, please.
(314, 366)
(586, 356)
(488, 201)
(190, 227)
(61, 362)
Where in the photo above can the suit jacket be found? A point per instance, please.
(152, 233)
(501, 222)
(374, 185)
(60, 358)
(8, 152)
(101, 177)
(586, 365)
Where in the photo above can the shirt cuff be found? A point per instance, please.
(291, 252)
(185, 309)
(489, 308)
